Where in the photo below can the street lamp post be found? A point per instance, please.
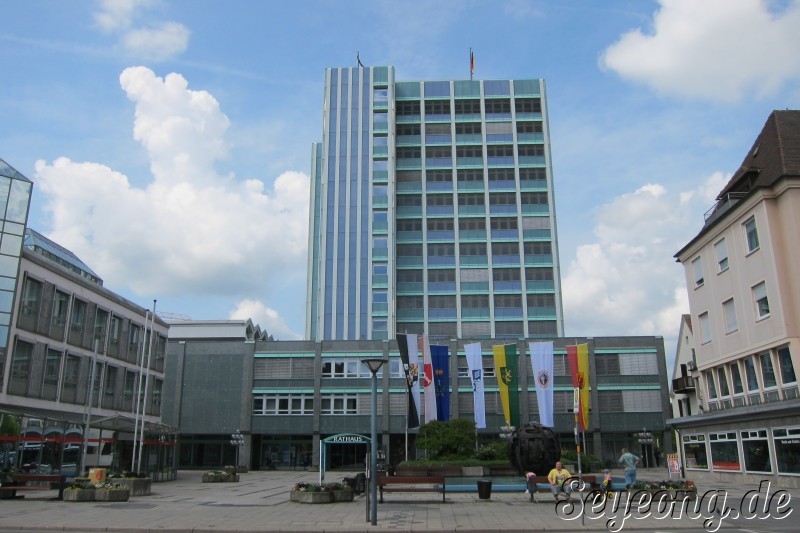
(374, 365)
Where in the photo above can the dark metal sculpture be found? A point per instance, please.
(534, 448)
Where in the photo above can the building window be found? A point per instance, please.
(694, 452)
(787, 450)
(767, 371)
(52, 369)
(724, 391)
(60, 306)
(755, 448)
(751, 235)
(71, 373)
(724, 452)
(346, 367)
(697, 268)
(736, 379)
(463, 372)
(761, 300)
(721, 250)
(133, 338)
(20, 368)
(31, 299)
(750, 373)
(705, 328)
(285, 404)
(339, 404)
(786, 366)
(730, 316)
(158, 386)
(712, 388)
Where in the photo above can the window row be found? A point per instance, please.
(542, 328)
(477, 301)
(472, 175)
(760, 302)
(468, 107)
(474, 249)
(38, 371)
(722, 262)
(760, 451)
(48, 311)
(752, 380)
(492, 150)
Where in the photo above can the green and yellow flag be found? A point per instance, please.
(505, 367)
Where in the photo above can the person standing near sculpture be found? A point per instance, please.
(629, 461)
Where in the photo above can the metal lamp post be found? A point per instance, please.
(374, 365)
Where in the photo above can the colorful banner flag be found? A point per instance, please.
(578, 359)
(505, 367)
(428, 389)
(471, 63)
(407, 344)
(441, 379)
(542, 364)
(475, 364)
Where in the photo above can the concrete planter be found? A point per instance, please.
(503, 470)
(472, 471)
(79, 495)
(96, 495)
(344, 495)
(111, 495)
(412, 471)
(137, 486)
(311, 497)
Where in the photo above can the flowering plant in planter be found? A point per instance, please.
(125, 474)
(217, 476)
(307, 487)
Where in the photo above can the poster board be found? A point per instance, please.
(673, 464)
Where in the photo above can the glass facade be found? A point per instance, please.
(15, 197)
(401, 185)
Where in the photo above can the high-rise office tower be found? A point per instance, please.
(432, 210)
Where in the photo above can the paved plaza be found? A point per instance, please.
(260, 502)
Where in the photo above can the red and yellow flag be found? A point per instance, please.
(578, 358)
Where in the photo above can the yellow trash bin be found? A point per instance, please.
(97, 475)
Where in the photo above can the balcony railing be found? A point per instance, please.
(683, 384)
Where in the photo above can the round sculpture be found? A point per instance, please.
(534, 448)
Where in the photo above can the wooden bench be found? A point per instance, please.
(26, 482)
(411, 484)
(540, 484)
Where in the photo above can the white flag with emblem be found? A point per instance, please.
(475, 364)
(542, 363)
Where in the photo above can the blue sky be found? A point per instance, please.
(169, 142)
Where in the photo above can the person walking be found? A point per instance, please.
(629, 461)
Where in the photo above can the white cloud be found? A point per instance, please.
(626, 282)
(190, 230)
(522, 9)
(717, 50)
(166, 40)
(158, 41)
(269, 319)
(118, 14)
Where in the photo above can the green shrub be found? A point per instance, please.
(493, 451)
(454, 439)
